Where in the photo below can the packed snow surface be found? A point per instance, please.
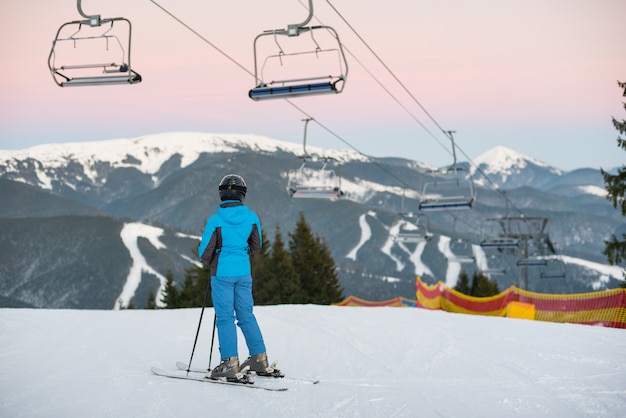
(371, 362)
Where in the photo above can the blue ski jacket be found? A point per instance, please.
(229, 237)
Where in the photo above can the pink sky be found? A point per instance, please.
(535, 76)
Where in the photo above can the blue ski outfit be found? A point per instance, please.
(229, 237)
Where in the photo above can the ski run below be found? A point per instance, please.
(371, 362)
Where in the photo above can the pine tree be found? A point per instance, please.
(197, 284)
(150, 304)
(615, 248)
(480, 285)
(283, 282)
(463, 285)
(314, 264)
(259, 263)
(171, 296)
(483, 287)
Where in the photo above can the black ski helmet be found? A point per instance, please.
(232, 187)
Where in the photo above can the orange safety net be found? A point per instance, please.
(606, 308)
(397, 302)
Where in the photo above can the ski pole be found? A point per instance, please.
(212, 340)
(206, 296)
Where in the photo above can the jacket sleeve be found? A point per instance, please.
(210, 244)
(209, 255)
(254, 240)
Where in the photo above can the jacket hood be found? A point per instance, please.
(233, 212)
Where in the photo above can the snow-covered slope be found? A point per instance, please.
(372, 362)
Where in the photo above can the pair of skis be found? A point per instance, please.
(199, 375)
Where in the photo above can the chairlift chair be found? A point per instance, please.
(532, 261)
(315, 177)
(532, 254)
(500, 243)
(461, 251)
(92, 52)
(499, 238)
(554, 269)
(450, 188)
(312, 69)
(494, 272)
(308, 181)
(409, 227)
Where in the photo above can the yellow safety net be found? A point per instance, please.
(606, 308)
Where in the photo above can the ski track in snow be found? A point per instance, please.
(416, 258)
(130, 233)
(386, 249)
(455, 267)
(366, 234)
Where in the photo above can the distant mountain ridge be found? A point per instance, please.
(169, 180)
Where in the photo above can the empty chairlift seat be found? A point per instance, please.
(92, 52)
(409, 228)
(448, 189)
(298, 61)
(314, 180)
(315, 177)
(497, 235)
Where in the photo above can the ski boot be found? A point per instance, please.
(229, 370)
(260, 366)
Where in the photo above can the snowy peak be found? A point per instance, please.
(502, 159)
(511, 169)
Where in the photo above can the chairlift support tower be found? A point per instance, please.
(536, 250)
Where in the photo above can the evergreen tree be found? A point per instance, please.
(197, 284)
(463, 285)
(480, 285)
(150, 304)
(282, 283)
(290, 288)
(259, 263)
(314, 264)
(171, 297)
(483, 287)
(615, 248)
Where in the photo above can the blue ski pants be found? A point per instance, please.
(232, 299)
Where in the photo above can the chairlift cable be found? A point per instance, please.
(203, 38)
(507, 200)
(417, 102)
(328, 129)
(395, 99)
(401, 181)
(287, 100)
(307, 114)
(386, 67)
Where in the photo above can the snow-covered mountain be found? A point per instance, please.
(46, 165)
(510, 169)
(147, 154)
(168, 181)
